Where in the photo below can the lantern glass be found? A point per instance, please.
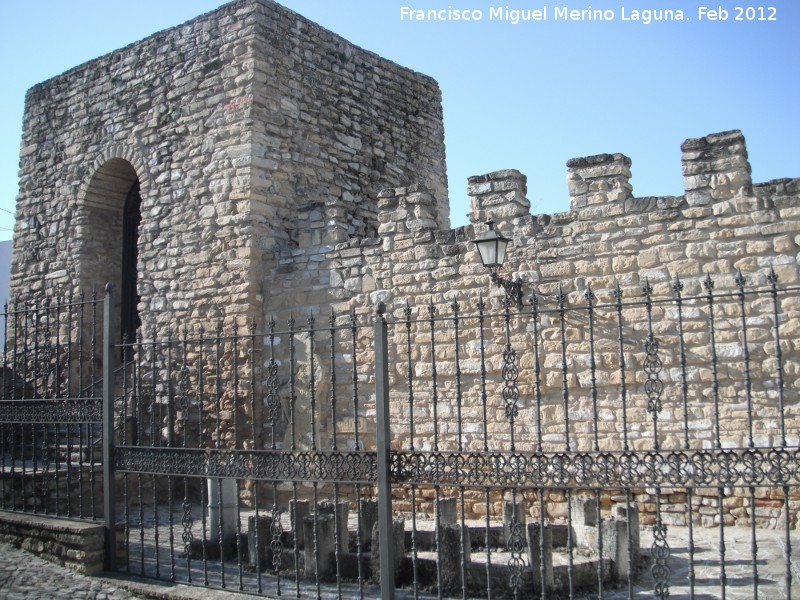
(492, 247)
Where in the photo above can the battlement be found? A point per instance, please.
(501, 194)
(722, 222)
(715, 169)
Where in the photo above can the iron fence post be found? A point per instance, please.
(109, 506)
(385, 527)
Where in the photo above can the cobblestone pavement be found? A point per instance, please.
(24, 576)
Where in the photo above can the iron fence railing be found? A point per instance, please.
(50, 411)
(623, 423)
(611, 442)
(244, 463)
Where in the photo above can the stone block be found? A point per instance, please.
(559, 534)
(319, 534)
(341, 512)
(454, 552)
(540, 554)
(367, 517)
(628, 545)
(584, 520)
(259, 540)
(446, 511)
(223, 498)
(398, 545)
(298, 511)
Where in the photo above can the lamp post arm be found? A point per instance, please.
(513, 289)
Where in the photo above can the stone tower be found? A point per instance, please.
(192, 167)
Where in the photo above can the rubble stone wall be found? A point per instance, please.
(255, 136)
(722, 226)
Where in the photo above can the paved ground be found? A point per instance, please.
(24, 576)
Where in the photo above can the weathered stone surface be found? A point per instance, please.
(284, 172)
(540, 554)
(454, 550)
(320, 545)
(398, 542)
(77, 545)
(244, 145)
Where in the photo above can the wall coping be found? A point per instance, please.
(79, 545)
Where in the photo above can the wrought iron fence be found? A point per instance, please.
(244, 463)
(616, 442)
(51, 408)
(569, 435)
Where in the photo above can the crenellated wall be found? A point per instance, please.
(722, 225)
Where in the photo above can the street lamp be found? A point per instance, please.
(492, 247)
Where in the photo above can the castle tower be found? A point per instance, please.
(187, 167)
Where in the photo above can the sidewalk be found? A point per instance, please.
(25, 576)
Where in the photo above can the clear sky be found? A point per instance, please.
(527, 96)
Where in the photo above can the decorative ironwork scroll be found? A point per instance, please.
(187, 521)
(269, 465)
(276, 531)
(697, 468)
(71, 410)
(516, 545)
(653, 387)
(660, 554)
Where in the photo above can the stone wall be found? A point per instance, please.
(158, 111)
(286, 173)
(74, 544)
(349, 125)
(721, 226)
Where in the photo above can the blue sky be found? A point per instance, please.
(528, 96)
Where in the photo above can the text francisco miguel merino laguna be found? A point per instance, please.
(565, 13)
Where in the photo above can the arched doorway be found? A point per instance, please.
(109, 219)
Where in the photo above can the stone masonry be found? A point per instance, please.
(284, 172)
(252, 132)
(723, 224)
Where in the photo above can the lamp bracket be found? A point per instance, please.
(513, 289)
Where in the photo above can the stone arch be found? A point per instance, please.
(118, 181)
(114, 153)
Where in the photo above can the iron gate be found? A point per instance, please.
(610, 443)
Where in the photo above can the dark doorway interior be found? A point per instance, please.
(130, 236)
